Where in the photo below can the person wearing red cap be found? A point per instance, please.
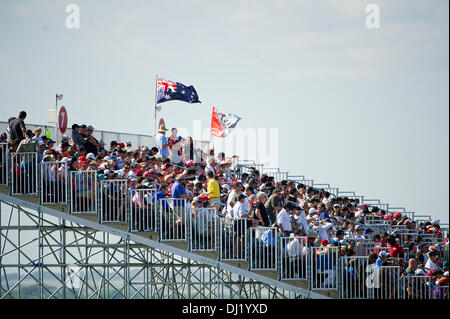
(324, 243)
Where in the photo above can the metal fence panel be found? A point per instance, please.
(54, 182)
(364, 246)
(263, 248)
(173, 219)
(440, 292)
(24, 173)
(142, 209)
(4, 164)
(203, 229)
(385, 283)
(113, 203)
(353, 277)
(415, 287)
(233, 239)
(323, 268)
(83, 189)
(293, 258)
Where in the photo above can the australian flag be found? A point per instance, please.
(169, 91)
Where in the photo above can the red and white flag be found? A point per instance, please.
(223, 123)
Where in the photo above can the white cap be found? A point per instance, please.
(91, 156)
(65, 160)
(420, 272)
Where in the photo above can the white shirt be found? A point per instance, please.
(301, 220)
(296, 248)
(232, 198)
(284, 220)
(239, 210)
(323, 231)
(430, 265)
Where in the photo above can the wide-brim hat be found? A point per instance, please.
(162, 128)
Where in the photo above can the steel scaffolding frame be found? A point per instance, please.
(49, 257)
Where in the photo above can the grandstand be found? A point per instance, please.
(76, 234)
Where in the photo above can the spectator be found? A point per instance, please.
(77, 138)
(273, 205)
(213, 190)
(17, 128)
(432, 262)
(161, 141)
(284, 222)
(260, 210)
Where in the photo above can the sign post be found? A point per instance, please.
(62, 121)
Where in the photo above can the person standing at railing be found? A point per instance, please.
(28, 162)
(178, 192)
(17, 128)
(161, 142)
(284, 222)
(213, 190)
(273, 205)
(260, 210)
(232, 197)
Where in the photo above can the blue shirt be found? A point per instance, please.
(324, 215)
(177, 190)
(160, 140)
(160, 195)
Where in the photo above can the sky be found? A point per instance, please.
(363, 109)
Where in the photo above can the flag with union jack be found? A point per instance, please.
(169, 91)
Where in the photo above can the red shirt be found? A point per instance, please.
(396, 250)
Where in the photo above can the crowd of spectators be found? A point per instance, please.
(177, 170)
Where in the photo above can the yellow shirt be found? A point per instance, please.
(213, 186)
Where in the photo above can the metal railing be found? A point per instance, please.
(204, 227)
(353, 277)
(385, 283)
(4, 163)
(293, 258)
(233, 239)
(143, 209)
(263, 248)
(112, 197)
(83, 188)
(54, 182)
(173, 219)
(415, 287)
(24, 173)
(364, 246)
(323, 268)
(440, 292)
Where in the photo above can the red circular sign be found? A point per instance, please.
(62, 119)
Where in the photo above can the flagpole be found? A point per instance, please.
(156, 100)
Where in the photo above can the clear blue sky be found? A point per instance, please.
(362, 109)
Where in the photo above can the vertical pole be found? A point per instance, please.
(156, 102)
(57, 121)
